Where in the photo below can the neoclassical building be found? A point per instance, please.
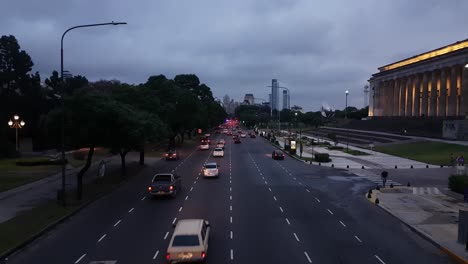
(432, 84)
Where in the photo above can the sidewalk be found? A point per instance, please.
(25, 197)
(434, 216)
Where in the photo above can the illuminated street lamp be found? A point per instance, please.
(16, 123)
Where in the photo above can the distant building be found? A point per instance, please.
(249, 98)
(286, 99)
(297, 109)
(274, 94)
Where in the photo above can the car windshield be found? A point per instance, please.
(185, 241)
(210, 166)
(162, 178)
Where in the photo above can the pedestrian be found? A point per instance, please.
(461, 161)
(384, 176)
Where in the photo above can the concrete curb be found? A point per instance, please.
(451, 254)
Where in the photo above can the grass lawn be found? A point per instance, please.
(355, 152)
(28, 223)
(431, 152)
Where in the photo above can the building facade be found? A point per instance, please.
(286, 104)
(249, 98)
(274, 94)
(431, 84)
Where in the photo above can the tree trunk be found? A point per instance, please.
(142, 157)
(79, 176)
(182, 135)
(123, 153)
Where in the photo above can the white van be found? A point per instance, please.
(189, 242)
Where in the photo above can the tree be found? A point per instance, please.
(15, 64)
(187, 81)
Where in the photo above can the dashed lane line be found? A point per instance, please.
(165, 236)
(296, 237)
(274, 197)
(230, 197)
(381, 261)
(307, 256)
(175, 219)
(230, 219)
(191, 189)
(117, 223)
(80, 258)
(342, 224)
(144, 197)
(308, 190)
(317, 199)
(357, 238)
(330, 211)
(287, 221)
(100, 239)
(232, 254)
(131, 210)
(231, 235)
(269, 189)
(180, 209)
(230, 208)
(281, 209)
(156, 254)
(186, 198)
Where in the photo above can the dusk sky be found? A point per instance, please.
(318, 49)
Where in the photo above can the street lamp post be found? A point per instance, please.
(62, 99)
(346, 117)
(16, 123)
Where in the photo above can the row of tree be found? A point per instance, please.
(119, 116)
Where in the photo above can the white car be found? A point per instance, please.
(220, 145)
(243, 135)
(211, 170)
(204, 145)
(222, 141)
(189, 242)
(218, 152)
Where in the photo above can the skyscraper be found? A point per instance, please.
(286, 104)
(249, 98)
(274, 94)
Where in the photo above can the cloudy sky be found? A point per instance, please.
(318, 49)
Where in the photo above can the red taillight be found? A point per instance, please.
(174, 155)
(203, 254)
(168, 256)
(171, 187)
(166, 154)
(149, 188)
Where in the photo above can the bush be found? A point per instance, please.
(322, 157)
(38, 162)
(8, 149)
(335, 148)
(458, 183)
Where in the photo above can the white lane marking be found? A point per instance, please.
(195, 182)
(300, 183)
(261, 173)
(232, 254)
(186, 198)
(131, 210)
(274, 197)
(103, 236)
(296, 237)
(230, 219)
(230, 182)
(381, 261)
(144, 197)
(269, 189)
(82, 256)
(307, 256)
(342, 224)
(266, 182)
(230, 189)
(156, 254)
(307, 190)
(230, 197)
(175, 219)
(191, 189)
(165, 237)
(197, 178)
(330, 211)
(172, 171)
(231, 234)
(357, 238)
(180, 209)
(263, 178)
(230, 208)
(281, 208)
(293, 178)
(118, 222)
(199, 173)
(317, 199)
(287, 220)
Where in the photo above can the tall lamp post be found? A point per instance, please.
(16, 123)
(62, 99)
(346, 117)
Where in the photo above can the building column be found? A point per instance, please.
(464, 93)
(409, 96)
(401, 110)
(443, 94)
(389, 101)
(433, 95)
(424, 95)
(417, 95)
(453, 92)
(396, 96)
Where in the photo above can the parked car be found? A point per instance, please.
(189, 242)
(165, 184)
(172, 155)
(211, 170)
(277, 155)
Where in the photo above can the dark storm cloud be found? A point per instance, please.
(318, 49)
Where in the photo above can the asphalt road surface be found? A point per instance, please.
(260, 211)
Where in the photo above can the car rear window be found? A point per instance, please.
(162, 178)
(218, 149)
(185, 241)
(210, 166)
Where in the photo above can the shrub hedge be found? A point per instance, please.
(322, 157)
(458, 183)
(39, 162)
